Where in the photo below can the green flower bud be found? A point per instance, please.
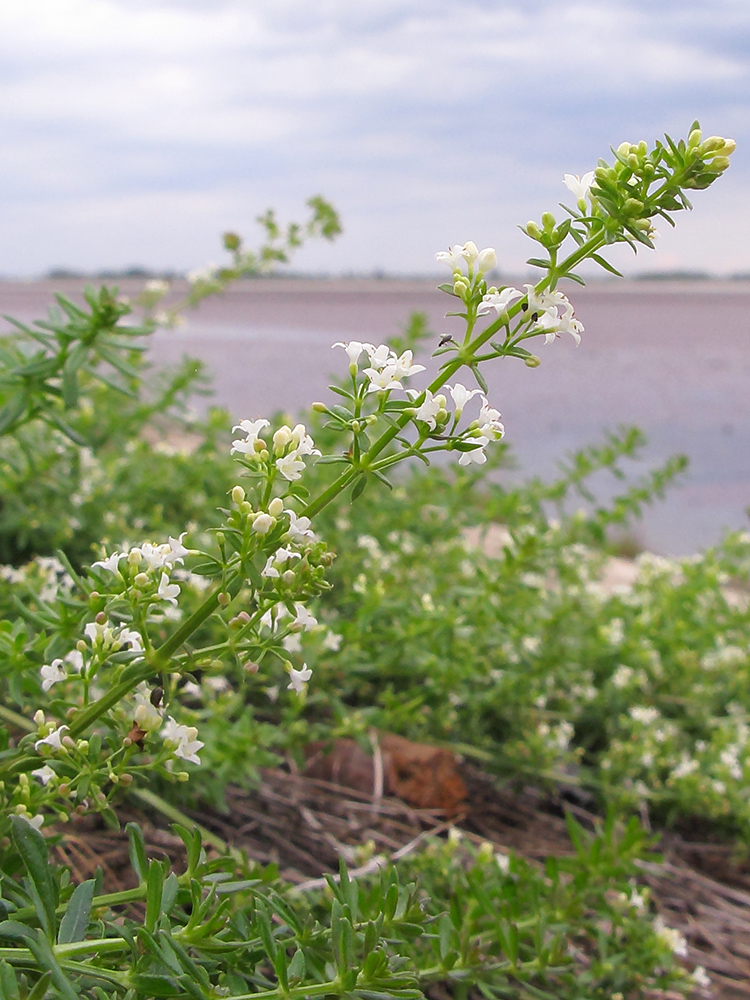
(711, 145)
(223, 598)
(533, 230)
(623, 149)
(532, 361)
(548, 221)
(720, 163)
(238, 494)
(232, 241)
(319, 407)
(276, 507)
(633, 161)
(141, 579)
(632, 206)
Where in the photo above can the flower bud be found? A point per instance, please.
(141, 579)
(729, 147)
(182, 776)
(711, 145)
(548, 221)
(39, 717)
(533, 230)
(623, 149)
(632, 206)
(633, 161)
(319, 407)
(259, 445)
(276, 507)
(250, 667)
(694, 139)
(126, 779)
(246, 507)
(720, 163)
(486, 260)
(101, 618)
(281, 439)
(94, 595)
(262, 523)
(223, 598)
(288, 577)
(238, 494)
(532, 361)
(232, 241)
(134, 557)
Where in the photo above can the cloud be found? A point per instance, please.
(406, 113)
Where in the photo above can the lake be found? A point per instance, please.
(670, 357)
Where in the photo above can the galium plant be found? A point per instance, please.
(108, 657)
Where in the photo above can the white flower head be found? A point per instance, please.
(45, 774)
(252, 430)
(187, 746)
(404, 366)
(354, 349)
(299, 527)
(489, 422)
(580, 186)
(461, 396)
(167, 591)
(672, 938)
(498, 300)
(298, 678)
(382, 379)
(477, 455)
(380, 356)
(110, 563)
(53, 739)
(290, 466)
(52, 673)
(430, 408)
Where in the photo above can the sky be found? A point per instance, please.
(133, 132)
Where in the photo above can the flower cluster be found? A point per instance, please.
(288, 448)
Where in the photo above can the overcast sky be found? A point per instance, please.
(135, 131)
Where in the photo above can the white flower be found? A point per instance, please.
(36, 821)
(301, 441)
(700, 977)
(354, 348)
(503, 862)
(177, 551)
(476, 455)
(157, 286)
(580, 186)
(277, 560)
(454, 257)
(489, 422)
(290, 466)
(200, 274)
(110, 563)
(167, 591)
(381, 380)
(128, 636)
(100, 635)
(404, 366)
(332, 641)
(498, 300)
(430, 408)
(292, 643)
(45, 774)
(51, 674)
(302, 617)
(252, 429)
(54, 739)
(380, 356)
(298, 678)
(461, 396)
(299, 527)
(544, 305)
(185, 737)
(672, 938)
(644, 715)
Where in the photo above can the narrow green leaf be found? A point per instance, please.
(33, 850)
(137, 850)
(40, 990)
(154, 891)
(76, 917)
(41, 949)
(8, 982)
